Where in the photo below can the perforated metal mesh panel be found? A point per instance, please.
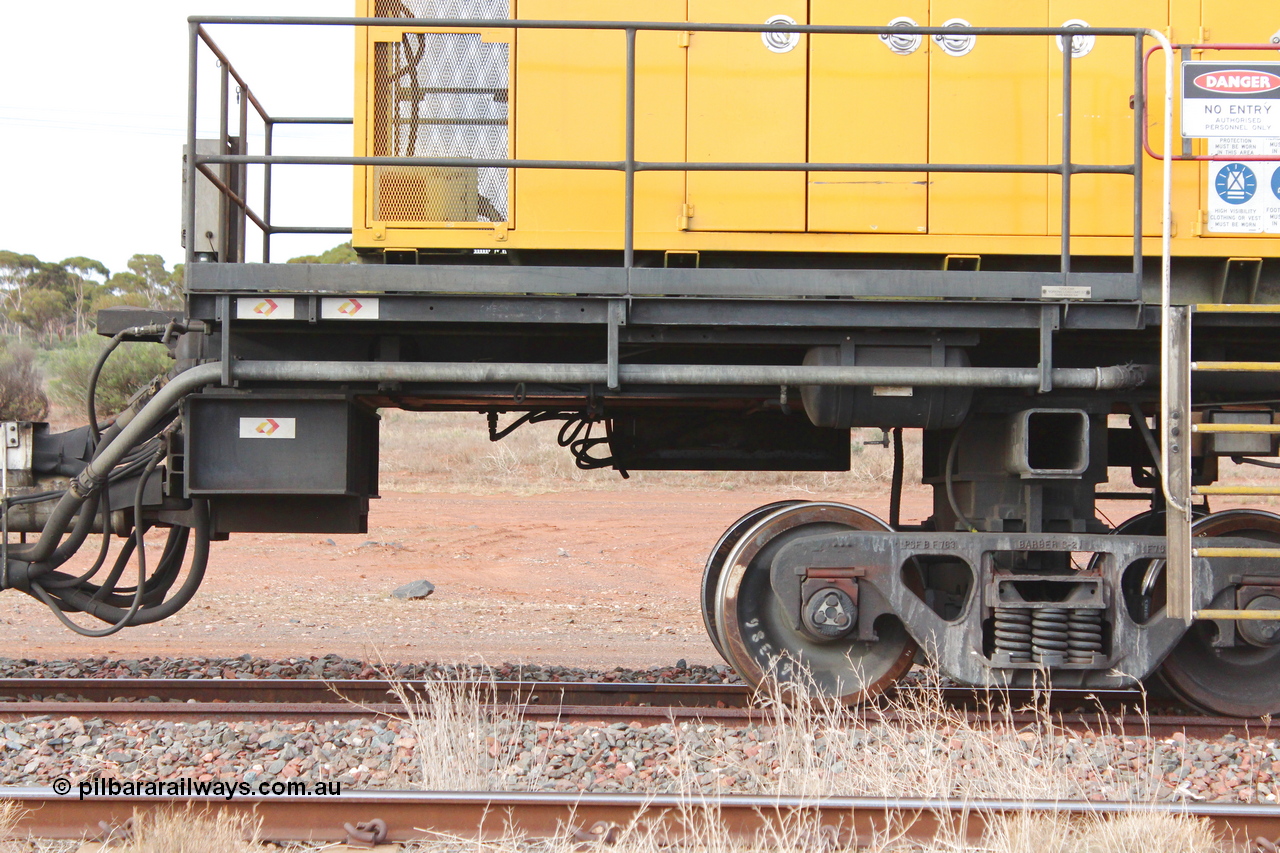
(441, 95)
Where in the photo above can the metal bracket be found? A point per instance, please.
(1049, 323)
(1176, 434)
(366, 834)
(617, 318)
(224, 317)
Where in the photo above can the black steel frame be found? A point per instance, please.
(629, 165)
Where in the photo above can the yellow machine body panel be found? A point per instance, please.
(547, 94)
(572, 106)
(1101, 118)
(747, 103)
(868, 104)
(987, 104)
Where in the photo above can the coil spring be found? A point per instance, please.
(1013, 633)
(1084, 635)
(1049, 635)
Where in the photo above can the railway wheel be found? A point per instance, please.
(758, 637)
(1243, 680)
(715, 565)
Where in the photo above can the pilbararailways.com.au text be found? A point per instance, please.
(195, 788)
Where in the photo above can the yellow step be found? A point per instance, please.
(1236, 366)
(1236, 490)
(1263, 615)
(1235, 308)
(1271, 429)
(1235, 552)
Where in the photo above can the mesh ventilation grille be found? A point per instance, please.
(441, 95)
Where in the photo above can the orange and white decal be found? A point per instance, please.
(349, 308)
(264, 308)
(268, 427)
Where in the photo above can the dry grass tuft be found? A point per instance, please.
(696, 828)
(190, 830)
(916, 744)
(464, 743)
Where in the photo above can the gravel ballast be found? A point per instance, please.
(333, 667)
(621, 757)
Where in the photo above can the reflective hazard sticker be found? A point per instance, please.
(264, 308)
(268, 427)
(349, 308)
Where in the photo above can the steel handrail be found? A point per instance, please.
(629, 165)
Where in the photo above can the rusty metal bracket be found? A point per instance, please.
(112, 835)
(366, 834)
(601, 832)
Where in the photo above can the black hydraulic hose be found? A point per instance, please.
(167, 570)
(895, 486)
(149, 615)
(22, 574)
(59, 580)
(110, 453)
(127, 617)
(92, 391)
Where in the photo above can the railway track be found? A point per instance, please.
(411, 815)
(190, 700)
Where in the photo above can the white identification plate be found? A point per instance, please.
(892, 391)
(1058, 291)
(264, 308)
(268, 427)
(349, 308)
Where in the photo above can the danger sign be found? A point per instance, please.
(1239, 99)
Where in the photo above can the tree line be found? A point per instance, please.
(47, 302)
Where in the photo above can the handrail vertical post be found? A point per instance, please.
(189, 211)
(1067, 51)
(224, 170)
(242, 183)
(629, 252)
(269, 127)
(1139, 116)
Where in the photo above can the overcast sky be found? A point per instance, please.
(93, 117)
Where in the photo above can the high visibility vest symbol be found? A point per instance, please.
(1236, 183)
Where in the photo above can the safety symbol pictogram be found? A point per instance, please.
(1236, 183)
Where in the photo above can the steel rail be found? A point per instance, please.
(646, 703)
(1131, 726)
(413, 815)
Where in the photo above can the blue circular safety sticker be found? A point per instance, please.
(1236, 183)
(1275, 183)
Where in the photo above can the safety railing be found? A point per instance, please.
(247, 98)
(628, 164)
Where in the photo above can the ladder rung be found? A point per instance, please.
(1236, 490)
(1236, 308)
(1269, 429)
(1266, 615)
(1236, 366)
(1235, 552)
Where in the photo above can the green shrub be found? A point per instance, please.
(129, 368)
(22, 396)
